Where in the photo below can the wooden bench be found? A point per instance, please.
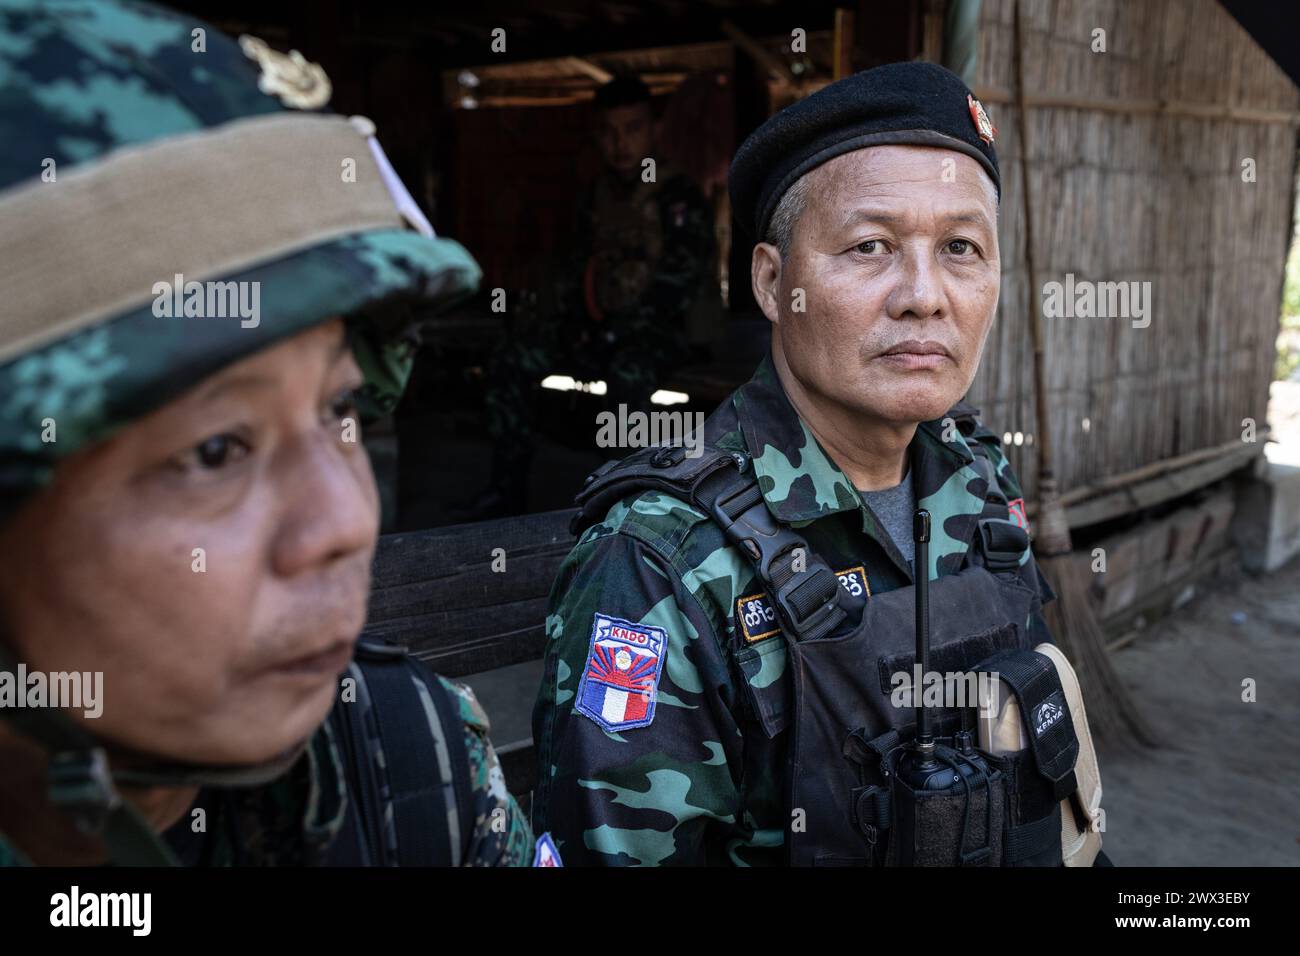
(436, 593)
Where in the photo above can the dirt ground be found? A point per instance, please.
(1225, 792)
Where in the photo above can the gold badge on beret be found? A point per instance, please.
(298, 84)
(983, 125)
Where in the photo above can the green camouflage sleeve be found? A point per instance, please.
(501, 835)
(1008, 481)
(628, 781)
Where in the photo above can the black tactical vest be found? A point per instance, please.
(843, 792)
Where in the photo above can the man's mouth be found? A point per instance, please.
(327, 662)
(917, 355)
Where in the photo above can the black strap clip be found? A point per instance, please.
(1002, 543)
(805, 592)
(810, 604)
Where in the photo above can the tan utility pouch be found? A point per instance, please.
(1004, 732)
(1078, 848)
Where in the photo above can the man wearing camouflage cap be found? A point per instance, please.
(207, 284)
(688, 716)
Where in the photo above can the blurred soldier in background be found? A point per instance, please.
(643, 256)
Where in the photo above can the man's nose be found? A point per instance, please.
(330, 507)
(919, 292)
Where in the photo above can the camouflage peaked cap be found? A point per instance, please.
(153, 171)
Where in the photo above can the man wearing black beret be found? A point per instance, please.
(700, 704)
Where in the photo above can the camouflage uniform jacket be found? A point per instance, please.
(702, 781)
(293, 820)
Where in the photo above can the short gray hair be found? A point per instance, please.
(780, 227)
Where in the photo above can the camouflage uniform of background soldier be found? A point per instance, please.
(643, 256)
(91, 85)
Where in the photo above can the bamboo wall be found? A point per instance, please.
(1126, 187)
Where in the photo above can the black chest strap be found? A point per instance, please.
(805, 592)
(406, 769)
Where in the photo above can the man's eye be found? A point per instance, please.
(344, 404)
(870, 247)
(215, 452)
(960, 247)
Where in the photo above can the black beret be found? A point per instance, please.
(909, 104)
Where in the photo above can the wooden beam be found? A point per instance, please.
(842, 44)
(932, 20)
(698, 24)
(1154, 483)
(1156, 468)
(490, 102)
(1241, 114)
(775, 66)
(586, 67)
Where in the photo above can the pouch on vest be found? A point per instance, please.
(1039, 763)
(953, 816)
(1026, 791)
(1003, 731)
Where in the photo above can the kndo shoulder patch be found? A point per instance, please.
(757, 616)
(620, 681)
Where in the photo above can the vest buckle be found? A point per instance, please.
(809, 603)
(1002, 544)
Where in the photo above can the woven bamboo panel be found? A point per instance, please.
(1131, 183)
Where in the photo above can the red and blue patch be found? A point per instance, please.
(545, 853)
(1016, 511)
(620, 681)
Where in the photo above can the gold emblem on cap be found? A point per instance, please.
(983, 125)
(298, 83)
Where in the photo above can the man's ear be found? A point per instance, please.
(765, 279)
